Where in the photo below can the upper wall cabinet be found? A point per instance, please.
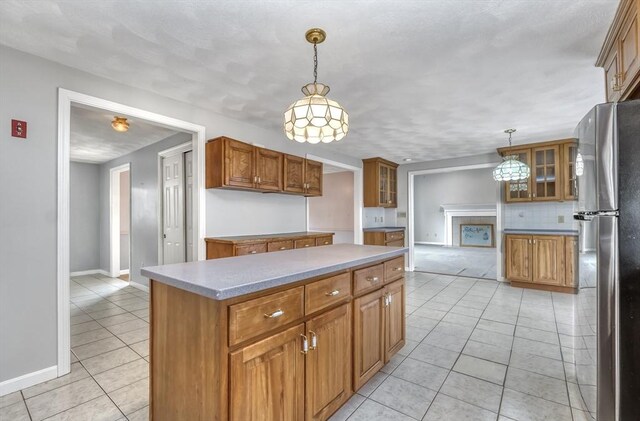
(620, 54)
(380, 183)
(231, 164)
(553, 176)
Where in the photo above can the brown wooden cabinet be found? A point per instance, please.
(552, 166)
(231, 164)
(384, 237)
(394, 319)
(541, 260)
(255, 244)
(368, 336)
(328, 363)
(620, 54)
(270, 377)
(380, 183)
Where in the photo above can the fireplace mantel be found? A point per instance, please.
(450, 211)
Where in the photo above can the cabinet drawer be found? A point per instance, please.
(305, 242)
(324, 241)
(392, 236)
(396, 243)
(368, 278)
(260, 315)
(280, 245)
(322, 294)
(394, 269)
(254, 248)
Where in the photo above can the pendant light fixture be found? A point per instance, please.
(511, 169)
(315, 118)
(120, 124)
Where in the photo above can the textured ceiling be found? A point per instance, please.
(422, 79)
(93, 140)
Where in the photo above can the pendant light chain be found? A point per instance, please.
(315, 62)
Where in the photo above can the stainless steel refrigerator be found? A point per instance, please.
(607, 319)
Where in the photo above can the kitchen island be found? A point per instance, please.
(289, 335)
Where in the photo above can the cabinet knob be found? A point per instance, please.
(386, 300)
(274, 315)
(253, 252)
(326, 242)
(306, 245)
(314, 340)
(372, 279)
(389, 298)
(283, 248)
(332, 293)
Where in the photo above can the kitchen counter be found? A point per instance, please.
(539, 231)
(383, 229)
(226, 278)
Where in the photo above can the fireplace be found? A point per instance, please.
(454, 215)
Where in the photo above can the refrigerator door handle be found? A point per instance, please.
(589, 215)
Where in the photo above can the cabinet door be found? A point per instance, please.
(368, 337)
(392, 199)
(267, 379)
(328, 366)
(518, 258)
(313, 177)
(570, 179)
(612, 76)
(268, 170)
(629, 58)
(545, 173)
(548, 260)
(293, 174)
(519, 191)
(239, 164)
(571, 261)
(383, 185)
(394, 336)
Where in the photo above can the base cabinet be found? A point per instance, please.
(394, 320)
(368, 339)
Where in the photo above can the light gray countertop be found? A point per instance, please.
(383, 229)
(230, 277)
(539, 231)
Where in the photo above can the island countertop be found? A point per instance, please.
(221, 279)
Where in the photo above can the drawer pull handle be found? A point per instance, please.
(390, 298)
(397, 269)
(283, 248)
(305, 344)
(326, 242)
(306, 245)
(314, 340)
(274, 315)
(373, 279)
(253, 252)
(332, 293)
(386, 300)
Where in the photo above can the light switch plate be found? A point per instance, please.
(561, 219)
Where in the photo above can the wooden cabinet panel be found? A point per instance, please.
(395, 235)
(328, 365)
(279, 245)
(368, 278)
(267, 379)
(324, 241)
(545, 173)
(293, 174)
(268, 170)
(612, 76)
(395, 331)
(394, 269)
(239, 164)
(518, 258)
(571, 261)
(519, 191)
(629, 53)
(313, 178)
(255, 317)
(368, 337)
(326, 292)
(397, 243)
(305, 242)
(244, 249)
(548, 259)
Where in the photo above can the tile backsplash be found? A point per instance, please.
(379, 217)
(541, 215)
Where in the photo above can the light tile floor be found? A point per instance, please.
(473, 262)
(476, 350)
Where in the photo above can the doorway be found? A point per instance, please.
(119, 221)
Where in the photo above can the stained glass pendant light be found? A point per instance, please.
(315, 118)
(511, 169)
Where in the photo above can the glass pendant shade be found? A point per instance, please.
(511, 169)
(315, 118)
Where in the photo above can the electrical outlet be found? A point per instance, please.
(560, 219)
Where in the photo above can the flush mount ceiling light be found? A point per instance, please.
(511, 169)
(315, 118)
(120, 124)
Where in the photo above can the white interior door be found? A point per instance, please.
(188, 182)
(173, 218)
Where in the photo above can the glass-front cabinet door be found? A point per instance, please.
(519, 191)
(384, 184)
(393, 187)
(545, 173)
(571, 164)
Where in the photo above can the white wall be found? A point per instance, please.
(448, 188)
(333, 211)
(28, 91)
(84, 232)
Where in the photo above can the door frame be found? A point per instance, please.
(358, 200)
(114, 218)
(65, 99)
(411, 214)
(175, 150)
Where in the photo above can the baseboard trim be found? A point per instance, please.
(139, 286)
(90, 272)
(429, 243)
(124, 272)
(28, 380)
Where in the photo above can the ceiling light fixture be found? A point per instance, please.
(120, 124)
(315, 118)
(511, 169)
(407, 159)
